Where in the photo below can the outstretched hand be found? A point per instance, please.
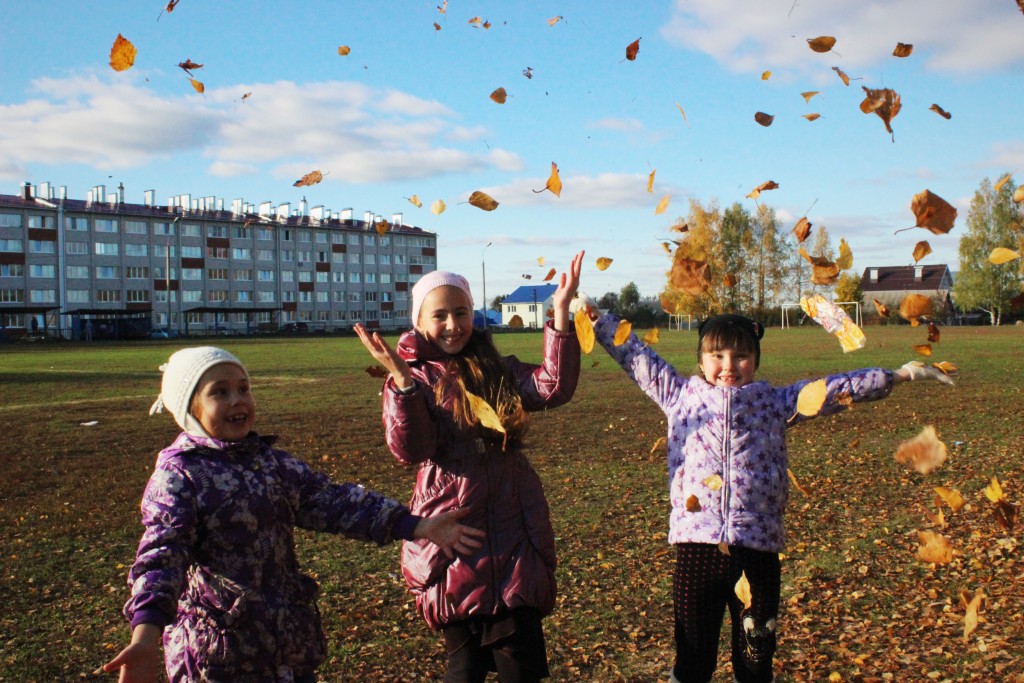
(140, 662)
(386, 356)
(568, 283)
(445, 531)
(915, 370)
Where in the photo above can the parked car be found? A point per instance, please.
(294, 328)
(162, 333)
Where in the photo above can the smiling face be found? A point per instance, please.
(446, 319)
(728, 367)
(223, 402)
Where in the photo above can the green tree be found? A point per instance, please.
(496, 302)
(733, 243)
(629, 299)
(765, 261)
(994, 220)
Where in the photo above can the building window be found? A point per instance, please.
(321, 237)
(323, 257)
(78, 296)
(108, 296)
(322, 297)
(136, 227)
(216, 252)
(18, 270)
(385, 278)
(106, 248)
(136, 273)
(241, 254)
(10, 220)
(241, 232)
(16, 246)
(265, 255)
(42, 247)
(73, 248)
(216, 273)
(161, 228)
(354, 258)
(305, 297)
(243, 296)
(12, 296)
(305, 257)
(265, 297)
(287, 255)
(42, 296)
(370, 260)
(265, 275)
(371, 296)
(340, 315)
(353, 278)
(192, 296)
(47, 222)
(216, 231)
(337, 238)
(37, 270)
(288, 297)
(108, 273)
(386, 297)
(339, 297)
(371, 314)
(76, 224)
(353, 239)
(385, 259)
(287, 276)
(77, 272)
(243, 275)
(355, 297)
(321, 276)
(191, 230)
(191, 252)
(104, 225)
(136, 250)
(338, 277)
(303, 235)
(305, 276)
(217, 295)
(137, 296)
(371, 278)
(264, 234)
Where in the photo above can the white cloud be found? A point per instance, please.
(963, 37)
(1006, 156)
(603, 191)
(624, 125)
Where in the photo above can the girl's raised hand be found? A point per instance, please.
(568, 283)
(386, 356)
(445, 531)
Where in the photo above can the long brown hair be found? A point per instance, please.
(481, 370)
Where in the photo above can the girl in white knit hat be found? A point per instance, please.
(457, 408)
(216, 573)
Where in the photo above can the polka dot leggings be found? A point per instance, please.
(704, 586)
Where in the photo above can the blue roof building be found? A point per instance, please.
(530, 303)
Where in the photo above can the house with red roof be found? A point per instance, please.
(890, 284)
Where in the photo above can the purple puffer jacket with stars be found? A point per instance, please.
(217, 558)
(735, 434)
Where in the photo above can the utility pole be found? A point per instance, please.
(483, 273)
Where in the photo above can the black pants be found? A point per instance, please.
(512, 645)
(704, 586)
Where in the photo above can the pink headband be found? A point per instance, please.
(432, 281)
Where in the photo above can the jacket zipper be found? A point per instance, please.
(726, 466)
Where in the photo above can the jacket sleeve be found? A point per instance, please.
(553, 382)
(169, 518)
(869, 384)
(653, 374)
(347, 509)
(410, 429)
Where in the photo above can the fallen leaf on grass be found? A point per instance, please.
(934, 547)
(971, 602)
(660, 443)
(952, 497)
(792, 478)
(925, 453)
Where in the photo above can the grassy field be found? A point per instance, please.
(857, 604)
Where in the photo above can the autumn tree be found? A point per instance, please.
(700, 243)
(732, 245)
(765, 261)
(848, 288)
(994, 220)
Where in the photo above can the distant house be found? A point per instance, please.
(889, 284)
(529, 302)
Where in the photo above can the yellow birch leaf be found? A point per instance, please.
(603, 263)
(994, 492)
(743, 591)
(1002, 181)
(1001, 255)
(438, 207)
(659, 443)
(765, 75)
(662, 205)
(122, 54)
(845, 259)
(482, 200)
(934, 548)
(650, 181)
(921, 249)
(811, 398)
(1018, 195)
(622, 332)
(923, 349)
(415, 201)
(540, 261)
(484, 413)
(554, 184)
(584, 331)
(809, 94)
(651, 338)
(344, 50)
(812, 117)
(199, 87)
(953, 499)
(714, 482)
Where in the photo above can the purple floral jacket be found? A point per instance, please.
(217, 558)
(735, 436)
(460, 468)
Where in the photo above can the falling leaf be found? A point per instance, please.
(660, 443)
(1004, 512)
(652, 337)
(437, 26)
(934, 548)
(742, 589)
(376, 371)
(765, 75)
(311, 178)
(946, 368)
(792, 478)
(603, 262)
(812, 117)
(923, 349)
(528, 72)
(844, 399)
(584, 332)
(499, 96)
(802, 229)
(939, 517)
(171, 4)
(925, 453)
(475, 21)
(882, 309)
(482, 200)
(632, 49)
(1001, 255)
(667, 304)
(666, 247)
(680, 227)
(381, 227)
(122, 54)
(554, 20)
(551, 274)
(443, 7)
(527, 276)
(484, 413)
(199, 87)
(763, 187)
(842, 75)
(994, 491)
(823, 271)
(933, 333)
(415, 201)
(933, 213)
(554, 184)
(662, 205)
(188, 65)
(714, 482)
(921, 249)
(809, 94)
(952, 497)
(940, 111)
(971, 602)
(845, 260)
(730, 280)
(764, 119)
(246, 96)
(1018, 195)
(915, 306)
(884, 102)
(821, 43)
(1002, 181)
(682, 112)
(344, 50)
(690, 275)
(902, 50)
(693, 504)
(811, 398)
(622, 332)
(650, 181)
(438, 207)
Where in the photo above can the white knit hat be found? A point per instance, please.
(181, 374)
(432, 281)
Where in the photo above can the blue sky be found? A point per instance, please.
(408, 112)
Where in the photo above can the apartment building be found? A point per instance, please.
(101, 267)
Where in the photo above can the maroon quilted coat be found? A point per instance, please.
(461, 468)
